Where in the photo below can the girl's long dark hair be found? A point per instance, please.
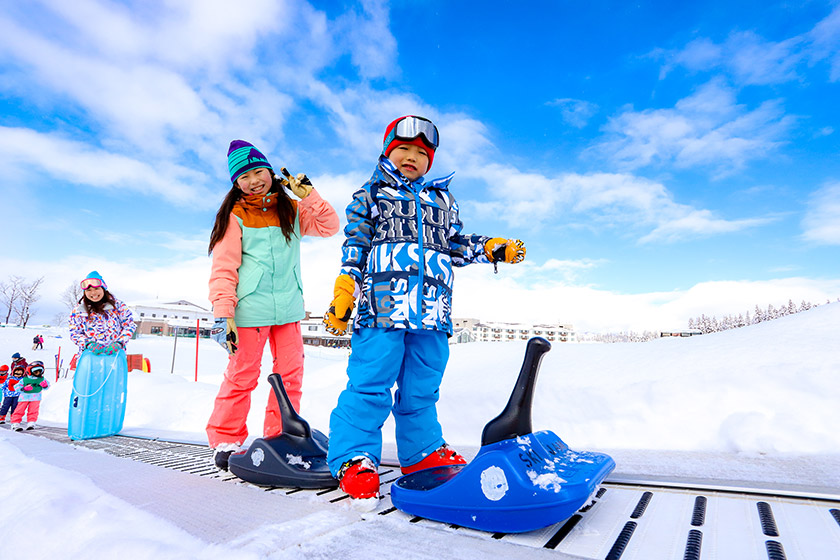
(285, 212)
(98, 306)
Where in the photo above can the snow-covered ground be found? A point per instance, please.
(757, 404)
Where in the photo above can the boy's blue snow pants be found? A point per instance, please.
(8, 406)
(415, 361)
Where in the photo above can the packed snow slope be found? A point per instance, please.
(766, 388)
(757, 404)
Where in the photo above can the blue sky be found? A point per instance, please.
(659, 161)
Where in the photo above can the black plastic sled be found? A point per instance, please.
(519, 480)
(297, 458)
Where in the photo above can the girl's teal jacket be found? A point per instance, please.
(255, 275)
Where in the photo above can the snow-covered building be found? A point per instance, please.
(158, 317)
(504, 332)
(315, 333)
(465, 330)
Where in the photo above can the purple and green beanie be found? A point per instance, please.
(242, 157)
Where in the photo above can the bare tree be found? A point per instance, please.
(71, 295)
(9, 294)
(28, 296)
(69, 298)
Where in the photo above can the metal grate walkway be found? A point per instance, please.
(628, 521)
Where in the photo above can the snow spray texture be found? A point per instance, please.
(392, 249)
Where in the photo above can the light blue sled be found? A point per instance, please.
(97, 403)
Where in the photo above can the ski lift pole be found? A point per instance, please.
(174, 347)
(197, 331)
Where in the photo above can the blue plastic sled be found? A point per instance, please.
(519, 480)
(97, 403)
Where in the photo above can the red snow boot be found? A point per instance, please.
(358, 477)
(441, 457)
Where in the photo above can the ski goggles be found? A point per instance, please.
(410, 128)
(92, 283)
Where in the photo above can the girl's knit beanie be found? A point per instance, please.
(242, 157)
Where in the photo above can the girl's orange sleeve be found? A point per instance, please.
(224, 272)
(317, 217)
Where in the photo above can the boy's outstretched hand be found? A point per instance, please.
(504, 250)
(300, 185)
(342, 305)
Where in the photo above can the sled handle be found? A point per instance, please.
(293, 423)
(515, 419)
(110, 371)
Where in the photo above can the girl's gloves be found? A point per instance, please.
(108, 350)
(224, 332)
(95, 347)
(44, 384)
(342, 305)
(300, 185)
(27, 388)
(504, 250)
(112, 348)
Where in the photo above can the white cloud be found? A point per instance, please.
(699, 54)
(750, 59)
(826, 42)
(22, 150)
(575, 112)
(707, 129)
(754, 61)
(633, 204)
(821, 223)
(699, 223)
(373, 49)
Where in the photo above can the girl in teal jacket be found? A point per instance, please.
(256, 288)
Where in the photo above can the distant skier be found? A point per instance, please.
(38, 342)
(403, 237)
(256, 290)
(100, 323)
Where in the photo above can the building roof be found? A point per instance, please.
(180, 305)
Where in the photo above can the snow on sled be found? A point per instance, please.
(296, 458)
(519, 481)
(97, 402)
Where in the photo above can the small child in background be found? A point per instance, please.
(29, 402)
(10, 393)
(18, 360)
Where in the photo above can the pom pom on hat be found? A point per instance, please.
(242, 157)
(387, 148)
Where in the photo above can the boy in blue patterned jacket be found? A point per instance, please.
(403, 237)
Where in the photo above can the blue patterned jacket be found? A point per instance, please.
(402, 258)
